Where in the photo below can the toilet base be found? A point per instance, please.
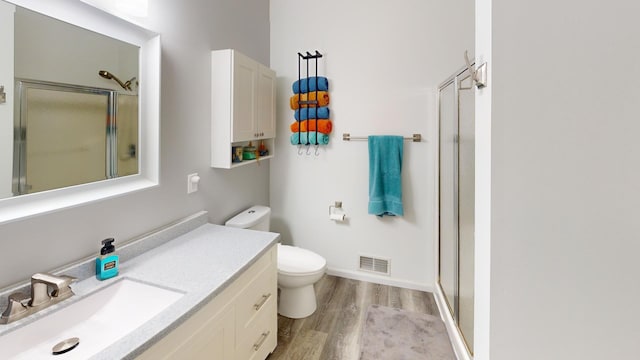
(297, 303)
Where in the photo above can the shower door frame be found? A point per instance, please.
(454, 309)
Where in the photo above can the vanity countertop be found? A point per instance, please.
(200, 263)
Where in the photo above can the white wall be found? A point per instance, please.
(564, 181)
(190, 30)
(384, 61)
(482, 295)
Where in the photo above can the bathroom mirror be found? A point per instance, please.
(79, 106)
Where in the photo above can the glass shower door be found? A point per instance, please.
(448, 196)
(456, 205)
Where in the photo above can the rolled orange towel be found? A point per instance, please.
(324, 126)
(323, 99)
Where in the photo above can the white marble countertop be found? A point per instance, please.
(200, 263)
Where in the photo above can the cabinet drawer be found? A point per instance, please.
(259, 296)
(260, 338)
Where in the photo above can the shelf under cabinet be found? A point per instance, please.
(247, 162)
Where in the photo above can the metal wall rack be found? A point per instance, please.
(306, 57)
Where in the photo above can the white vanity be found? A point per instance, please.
(228, 278)
(239, 323)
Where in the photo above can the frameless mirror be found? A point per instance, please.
(79, 106)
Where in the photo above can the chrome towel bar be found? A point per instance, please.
(348, 137)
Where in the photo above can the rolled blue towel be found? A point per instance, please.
(309, 84)
(312, 113)
(323, 139)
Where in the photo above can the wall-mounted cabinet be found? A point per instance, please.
(243, 106)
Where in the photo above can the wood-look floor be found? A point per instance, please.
(333, 331)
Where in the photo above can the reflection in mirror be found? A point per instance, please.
(75, 58)
(61, 137)
(73, 124)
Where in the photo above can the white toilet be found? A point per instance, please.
(298, 269)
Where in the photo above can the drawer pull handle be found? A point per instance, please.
(262, 301)
(263, 337)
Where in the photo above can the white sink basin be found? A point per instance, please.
(98, 320)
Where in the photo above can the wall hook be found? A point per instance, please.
(308, 149)
(299, 150)
(478, 75)
(317, 152)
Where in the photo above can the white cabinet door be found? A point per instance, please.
(245, 75)
(266, 111)
(198, 338)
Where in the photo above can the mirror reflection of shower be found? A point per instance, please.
(125, 85)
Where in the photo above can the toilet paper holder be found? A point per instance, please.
(336, 212)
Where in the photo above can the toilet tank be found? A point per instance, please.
(254, 218)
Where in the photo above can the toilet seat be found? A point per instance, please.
(295, 261)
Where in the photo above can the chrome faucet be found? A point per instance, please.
(21, 305)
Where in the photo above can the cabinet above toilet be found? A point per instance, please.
(243, 103)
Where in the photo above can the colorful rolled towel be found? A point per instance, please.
(323, 139)
(312, 113)
(310, 84)
(323, 99)
(322, 126)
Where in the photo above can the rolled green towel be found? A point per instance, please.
(309, 138)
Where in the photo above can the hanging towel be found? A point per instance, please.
(323, 126)
(309, 84)
(323, 139)
(385, 181)
(312, 113)
(323, 99)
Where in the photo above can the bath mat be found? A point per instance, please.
(403, 335)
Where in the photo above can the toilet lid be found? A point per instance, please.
(293, 259)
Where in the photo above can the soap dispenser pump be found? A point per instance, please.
(107, 263)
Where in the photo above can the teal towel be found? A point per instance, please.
(385, 181)
(309, 138)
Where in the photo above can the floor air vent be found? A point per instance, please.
(377, 265)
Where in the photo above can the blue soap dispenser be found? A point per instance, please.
(107, 263)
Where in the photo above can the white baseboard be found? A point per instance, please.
(457, 342)
(379, 279)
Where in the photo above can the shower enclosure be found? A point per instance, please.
(456, 200)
